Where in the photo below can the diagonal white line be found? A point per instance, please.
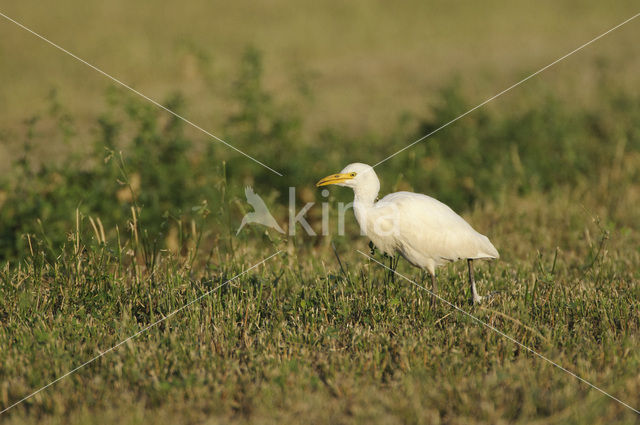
(159, 105)
(141, 331)
(508, 88)
(499, 332)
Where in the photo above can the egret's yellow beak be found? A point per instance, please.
(335, 179)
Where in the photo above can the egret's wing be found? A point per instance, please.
(430, 228)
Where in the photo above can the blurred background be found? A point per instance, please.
(306, 88)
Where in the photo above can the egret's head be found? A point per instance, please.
(360, 177)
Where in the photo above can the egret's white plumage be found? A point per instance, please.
(426, 232)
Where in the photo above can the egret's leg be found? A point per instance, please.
(477, 299)
(392, 269)
(434, 288)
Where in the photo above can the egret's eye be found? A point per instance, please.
(352, 174)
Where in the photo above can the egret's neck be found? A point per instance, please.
(365, 190)
(363, 205)
(365, 196)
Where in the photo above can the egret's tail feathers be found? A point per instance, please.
(487, 250)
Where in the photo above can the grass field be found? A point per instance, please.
(113, 214)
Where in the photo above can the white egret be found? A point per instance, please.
(423, 230)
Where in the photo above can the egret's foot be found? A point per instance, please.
(477, 299)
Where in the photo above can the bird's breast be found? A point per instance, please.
(380, 225)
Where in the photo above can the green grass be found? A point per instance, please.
(298, 340)
(138, 217)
